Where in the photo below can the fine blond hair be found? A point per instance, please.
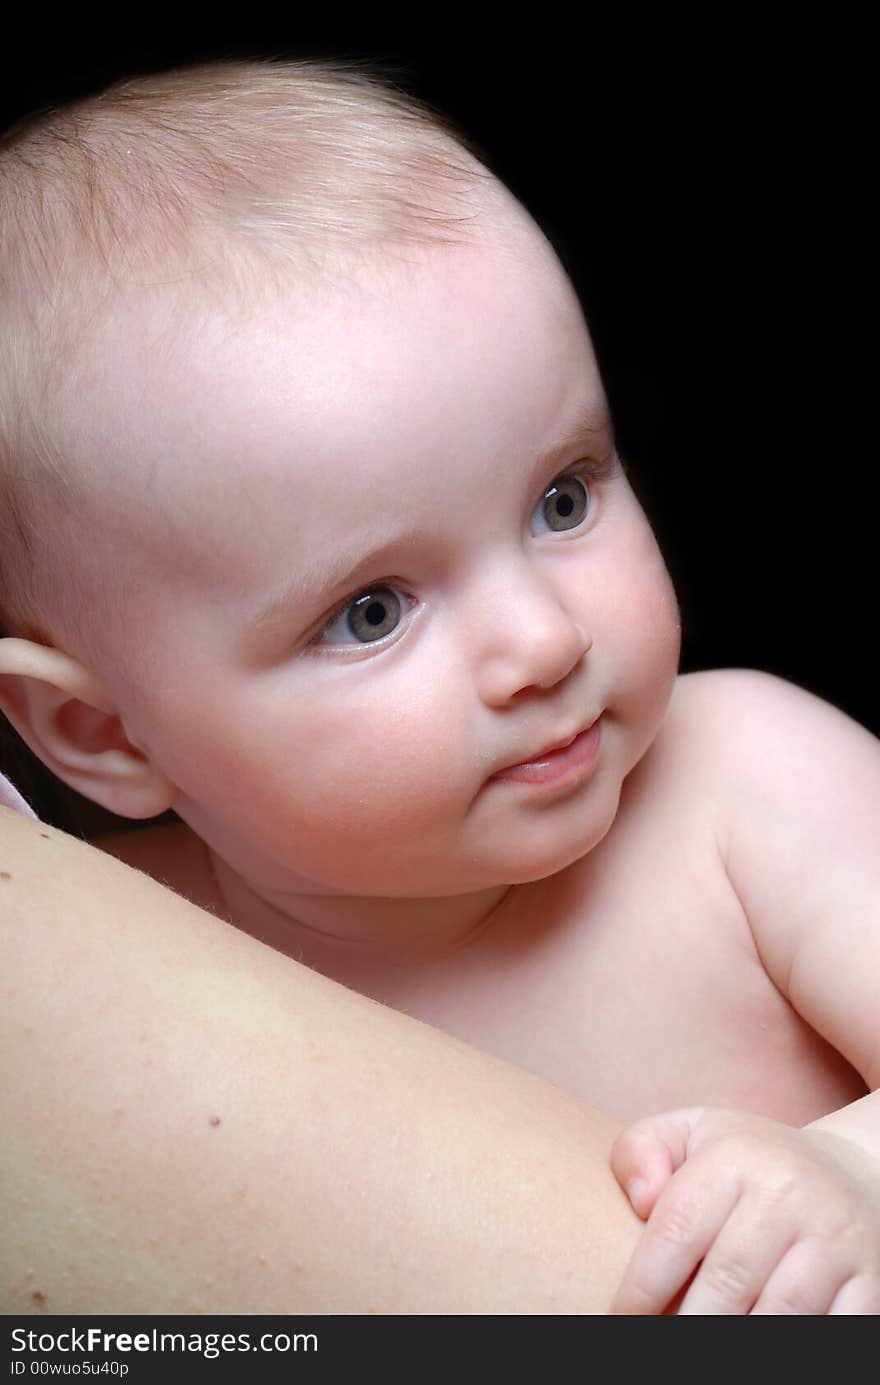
(222, 178)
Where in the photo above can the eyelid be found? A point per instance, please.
(312, 646)
(591, 474)
(596, 469)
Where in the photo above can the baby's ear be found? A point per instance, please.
(63, 713)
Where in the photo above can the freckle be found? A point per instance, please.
(215, 1120)
(39, 1297)
(4, 875)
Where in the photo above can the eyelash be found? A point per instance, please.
(585, 476)
(313, 645)
(592, 473)
(594, 470)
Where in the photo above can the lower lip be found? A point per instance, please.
(558, 767)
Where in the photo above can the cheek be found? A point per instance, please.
(368, 766)
(644, 625)
(389, 733)
(647, 599)
(659, 620)
(368, 799)
(369, 773)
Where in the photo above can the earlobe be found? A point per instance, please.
(61, 710)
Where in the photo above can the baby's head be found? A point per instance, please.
(313, 524)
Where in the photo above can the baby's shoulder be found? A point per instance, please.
(748, 734)
(758, 717)
(700, 699)
(707, 711)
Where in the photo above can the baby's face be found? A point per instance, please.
(381, 551)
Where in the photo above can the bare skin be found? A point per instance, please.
(194, 1124)
(599, 978)
(690, 979)
(357, 697)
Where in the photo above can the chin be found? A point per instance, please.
(542, 858)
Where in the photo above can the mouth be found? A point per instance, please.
(562, 761)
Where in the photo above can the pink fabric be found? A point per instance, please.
(11, 798)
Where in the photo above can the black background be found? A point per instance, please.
(709, 192)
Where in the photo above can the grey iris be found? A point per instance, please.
(565, 503)
(374, 614)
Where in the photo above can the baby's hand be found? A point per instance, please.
(748, 1216)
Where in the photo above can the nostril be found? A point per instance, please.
(585, 640)
(533, 646)
(565, 657)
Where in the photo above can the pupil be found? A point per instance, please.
(374, 615)
(565, 503)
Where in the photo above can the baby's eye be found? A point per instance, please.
(564, 505)
(371, 616)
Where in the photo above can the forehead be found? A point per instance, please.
(226, 432)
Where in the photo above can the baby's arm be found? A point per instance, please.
(192, 1123)
(778, 1219)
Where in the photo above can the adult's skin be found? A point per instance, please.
(192, 1123)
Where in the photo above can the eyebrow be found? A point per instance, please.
(328, 575)
(343, 572)
(589, 425)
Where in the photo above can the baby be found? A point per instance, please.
(314, 531)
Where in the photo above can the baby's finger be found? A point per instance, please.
(647, 1153)
(804, 1283)
(858, 1297)
(745, 1253)
(686, 1220)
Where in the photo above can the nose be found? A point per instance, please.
(530, 639)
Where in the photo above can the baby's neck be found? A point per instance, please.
(332, 932)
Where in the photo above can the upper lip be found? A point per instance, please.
(548, 748)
